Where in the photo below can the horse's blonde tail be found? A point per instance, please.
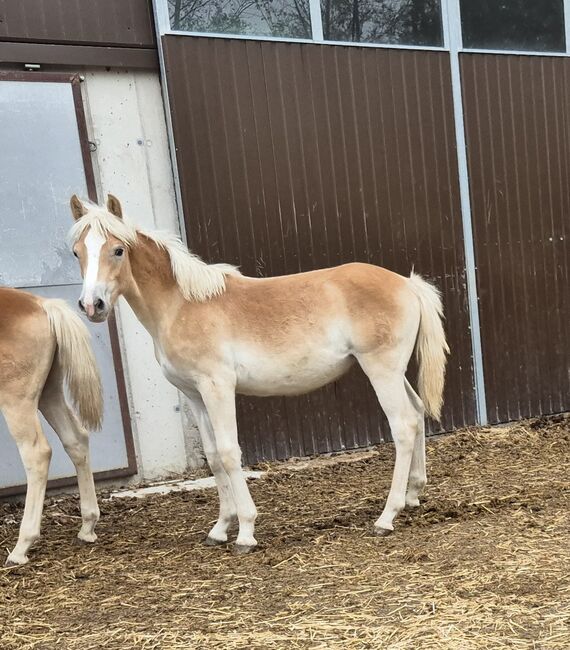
(77, 361)
(431, 346)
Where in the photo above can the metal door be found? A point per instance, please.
(43, 161)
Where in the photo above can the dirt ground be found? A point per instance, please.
(483, 563)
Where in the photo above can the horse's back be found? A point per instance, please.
(354, 272)
(303, 301)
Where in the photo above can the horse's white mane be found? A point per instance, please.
(196, 279)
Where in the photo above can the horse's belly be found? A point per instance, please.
(273, 376)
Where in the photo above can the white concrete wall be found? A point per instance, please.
(125, 118)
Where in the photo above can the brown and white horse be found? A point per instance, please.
(217, 332)
(43, 346)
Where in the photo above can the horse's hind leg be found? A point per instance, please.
(390, 389)
(75, 440)
(418, 478)
(35, 452)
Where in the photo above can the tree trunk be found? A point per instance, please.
(176, 16)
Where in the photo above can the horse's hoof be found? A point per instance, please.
(86, 539)
(210, 541)
(382, 532)
(10, 563)
(242, 549)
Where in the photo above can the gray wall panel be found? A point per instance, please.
(40, 168)
(41, 165)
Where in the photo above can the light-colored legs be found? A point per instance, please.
(418, 479)
(35, 452)
(228, 512)
(75, 440)
(219, 400)
(390, 389)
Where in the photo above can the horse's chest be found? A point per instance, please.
(170, 372)
(179, 377)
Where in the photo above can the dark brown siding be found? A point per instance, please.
(78, 55)
(517, 115)
(126, 23)
(294, 157)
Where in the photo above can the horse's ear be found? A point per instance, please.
(114, 206)
(77, 208)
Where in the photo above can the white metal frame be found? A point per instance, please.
(310, 41)
(239, 37)
(567, 24)
(316, 20)
(478, 50)
(162, 21)
(452, 31)
(452, 43)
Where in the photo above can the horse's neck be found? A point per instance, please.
(153, 292)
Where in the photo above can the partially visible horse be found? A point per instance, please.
(43, 346)
(217, 332)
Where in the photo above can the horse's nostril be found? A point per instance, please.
(99, 304)
(81, 305)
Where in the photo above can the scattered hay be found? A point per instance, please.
(483, 564)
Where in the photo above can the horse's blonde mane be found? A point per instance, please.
(196, 279)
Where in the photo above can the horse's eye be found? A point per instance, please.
(119, 252)
(75, 253)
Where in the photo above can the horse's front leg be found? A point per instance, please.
(219, 399)
(219, 533)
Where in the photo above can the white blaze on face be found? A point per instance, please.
(93, 243)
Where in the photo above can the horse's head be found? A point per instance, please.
(100, 239)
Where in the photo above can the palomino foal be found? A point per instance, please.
(217, 332)
(43, 346)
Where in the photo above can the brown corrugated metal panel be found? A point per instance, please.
(126, 23)
(294, 157)
(74, 55)
(517, 117)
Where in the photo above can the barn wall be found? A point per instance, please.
(294, 157)
(110, 33)
(125, 23)
(517, 118)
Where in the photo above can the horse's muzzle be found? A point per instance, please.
(96, 312)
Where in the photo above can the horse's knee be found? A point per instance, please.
(36, 457)
(44, 451)
(404, 432)
(230, 457)
(214, 460)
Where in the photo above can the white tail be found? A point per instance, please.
(77, 362)
(431, 346)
